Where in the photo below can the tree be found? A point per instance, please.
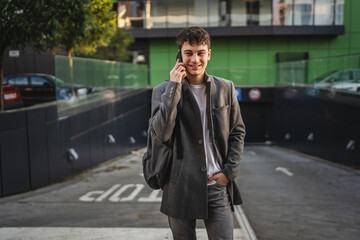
(100, 25)
(116, 48)
(71, 27)
(86, 25)
(24, 22)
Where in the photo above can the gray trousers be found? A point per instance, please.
(219, 225)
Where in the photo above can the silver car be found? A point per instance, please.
(340, 77)
(349, 85)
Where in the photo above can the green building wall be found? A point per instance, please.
(252, 60)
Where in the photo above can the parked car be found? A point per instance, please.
(327, 80)
(39, 88)
(350, 85)
(12, 97)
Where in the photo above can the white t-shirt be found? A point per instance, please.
(212, 166)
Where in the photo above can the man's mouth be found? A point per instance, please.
(195, 66)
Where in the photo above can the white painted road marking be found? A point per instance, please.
(284, 170)
(77, 233)
(241, 218)
(116, 196)
(132, 191)
(152, 198)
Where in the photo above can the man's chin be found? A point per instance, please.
(196, 73)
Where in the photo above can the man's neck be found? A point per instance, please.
(196, 80)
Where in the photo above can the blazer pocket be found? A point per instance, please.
(221, 119)
(221, 108)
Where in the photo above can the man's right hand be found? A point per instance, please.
(178, 72)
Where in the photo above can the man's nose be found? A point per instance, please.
(194, 58)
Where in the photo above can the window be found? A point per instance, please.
(339, 12)
(131, 14)
(19, 80)
(357, 75)
(282, 12)
(150, 14)
(303, 12)
(265, 12)
(345, 75)
(324, 12)
(238, 13)
(39, 81)
(198, 13)
(250, 12)
(177, 14)
(158, 14)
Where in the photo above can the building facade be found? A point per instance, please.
(249, 37)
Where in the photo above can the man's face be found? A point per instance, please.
(195, 58)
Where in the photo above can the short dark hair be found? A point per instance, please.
(193, 35)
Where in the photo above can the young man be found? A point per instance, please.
(201, 113)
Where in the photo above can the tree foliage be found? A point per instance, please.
(71, 25)
(100, 25)
(23, 22)
(115, 49)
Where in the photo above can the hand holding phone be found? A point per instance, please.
(179, 71)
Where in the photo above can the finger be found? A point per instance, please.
(178, 63)
(211, 179)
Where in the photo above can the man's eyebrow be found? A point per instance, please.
(202, 50)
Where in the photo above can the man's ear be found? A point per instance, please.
(209, 54)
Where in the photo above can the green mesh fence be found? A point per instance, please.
(100, 73)
(83, 83)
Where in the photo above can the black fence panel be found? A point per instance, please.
(317, 122)
(35, 142)
(97, 144)
(15, 172)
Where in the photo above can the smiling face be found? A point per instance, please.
(195, 57)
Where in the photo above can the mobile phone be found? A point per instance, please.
(178, 56)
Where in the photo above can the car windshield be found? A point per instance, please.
(322, 76)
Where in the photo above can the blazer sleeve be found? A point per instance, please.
(165, 99)
(236, 138)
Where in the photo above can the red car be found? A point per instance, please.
(12, 97)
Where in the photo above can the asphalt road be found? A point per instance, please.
(111, 201)
(287, 195)
(292, 196)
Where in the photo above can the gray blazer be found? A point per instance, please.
(185, 194)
